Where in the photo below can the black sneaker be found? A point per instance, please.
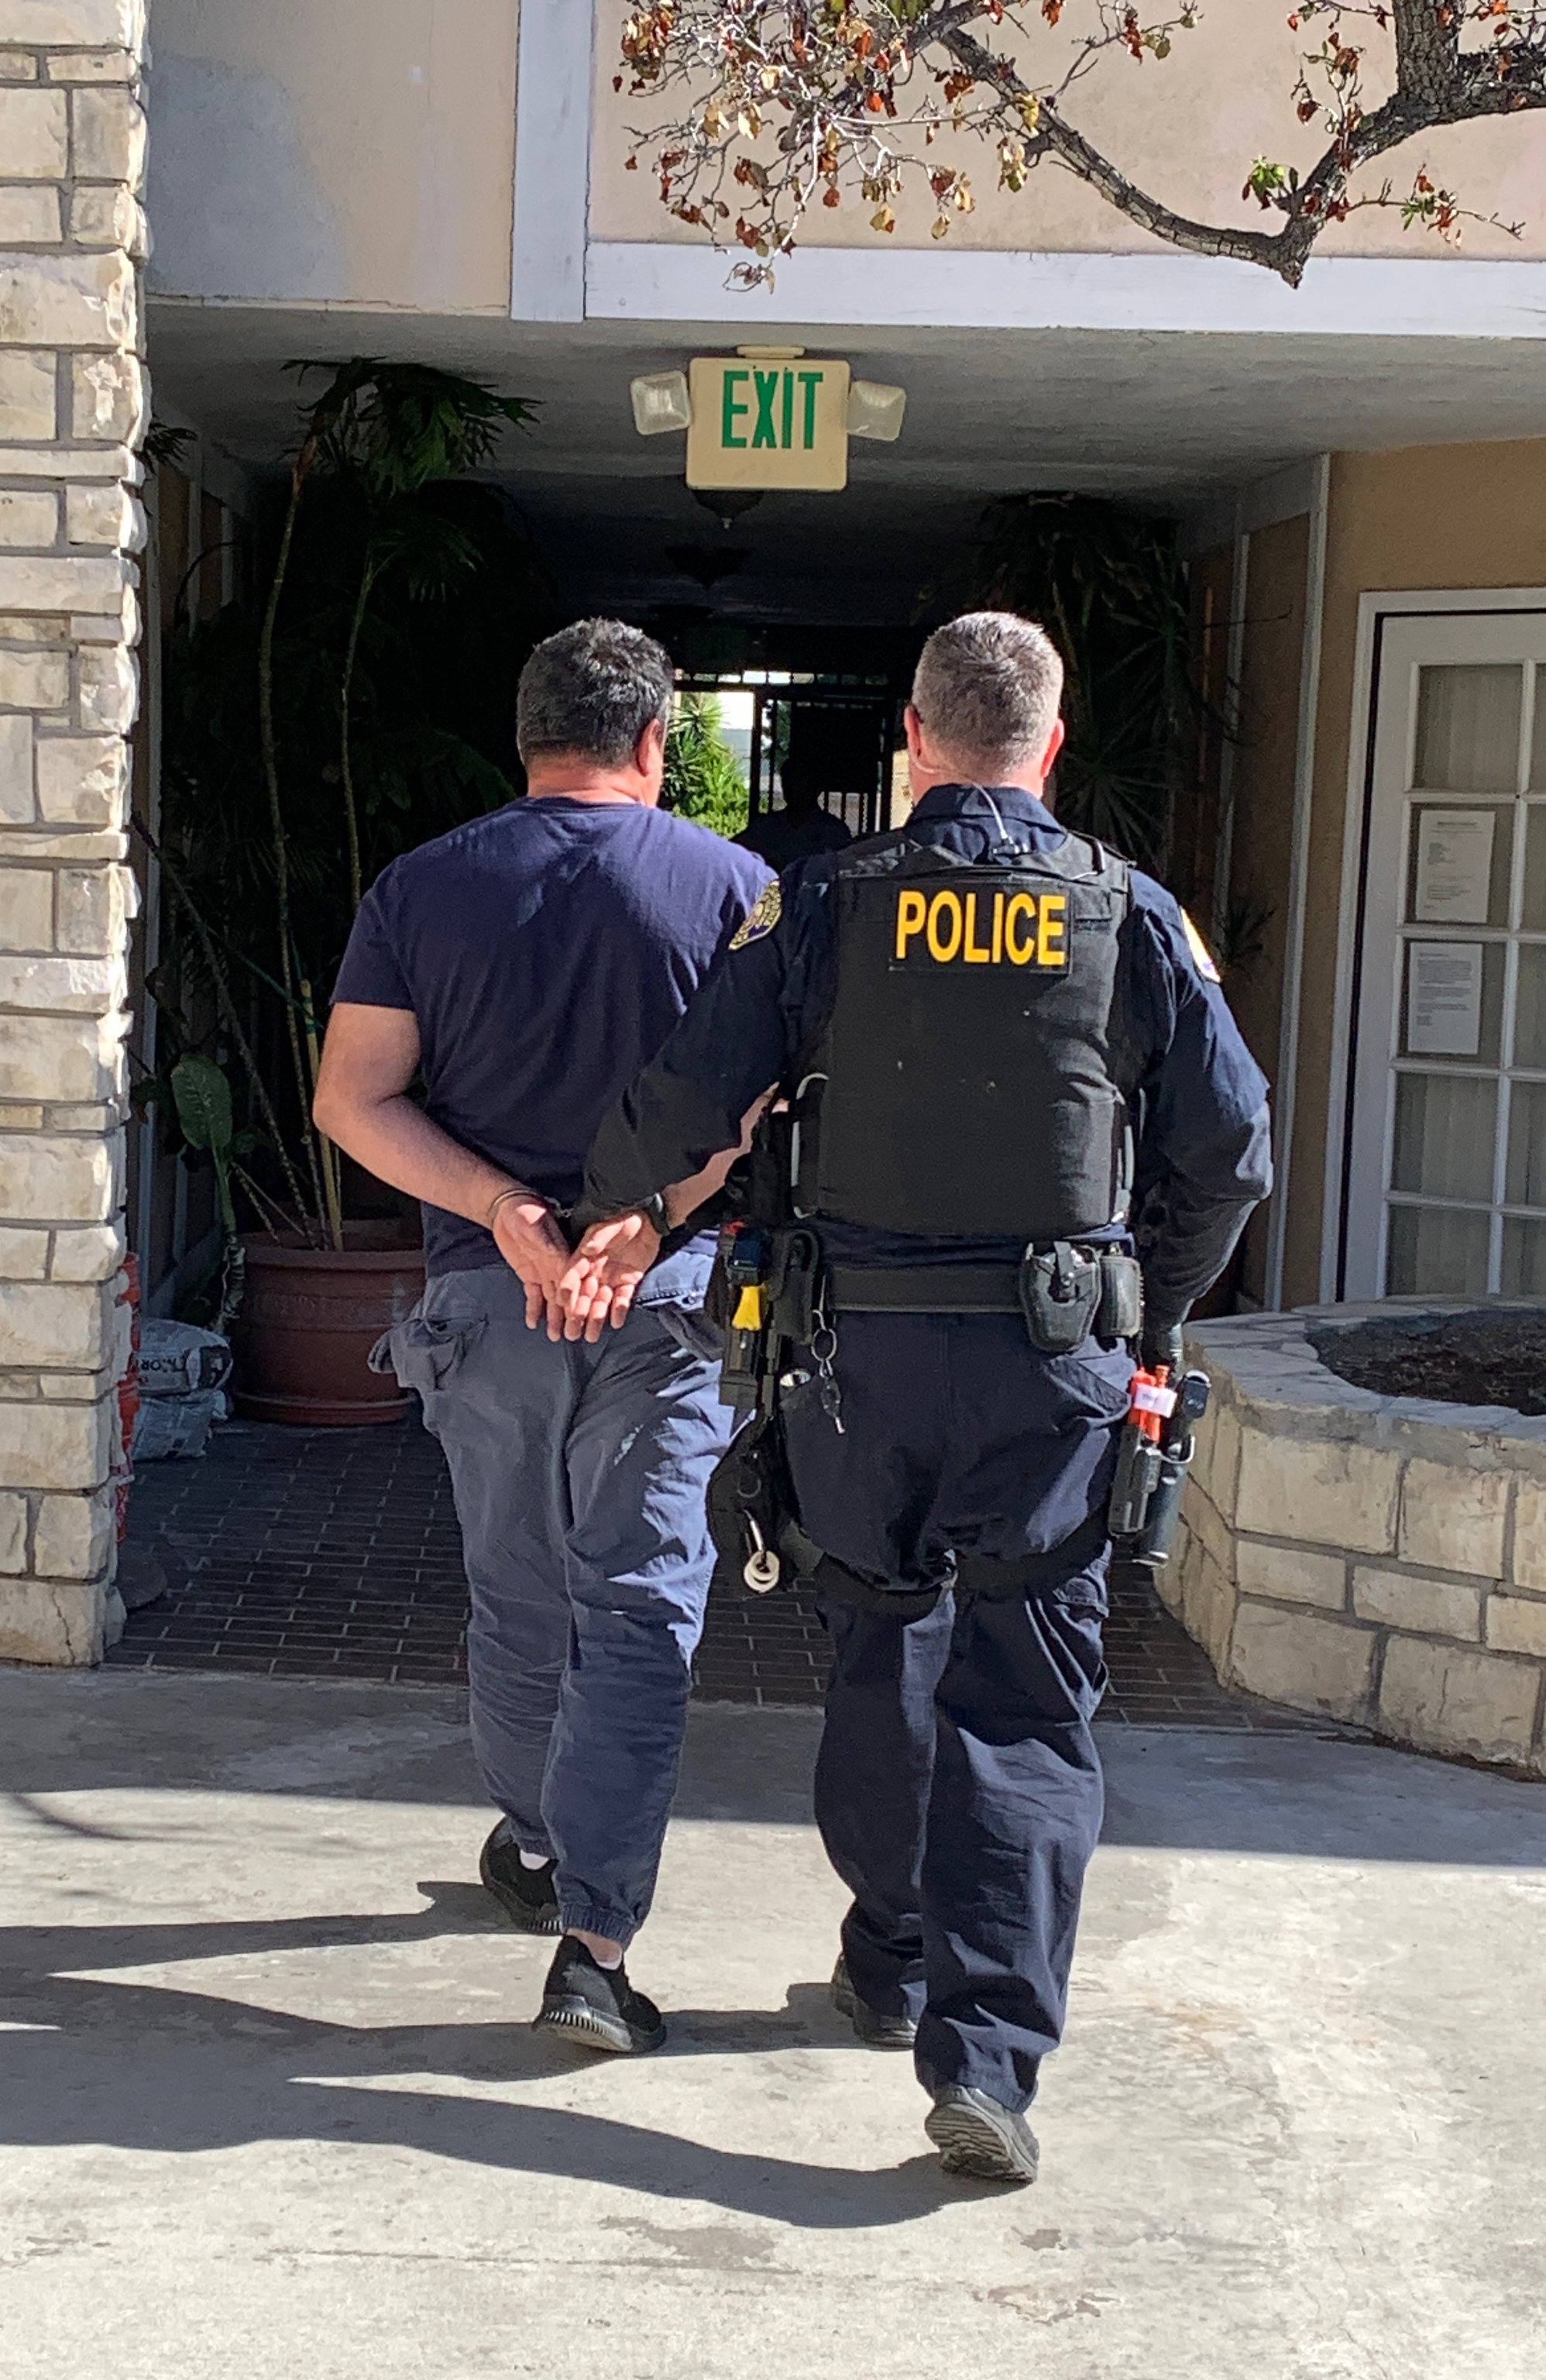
(526, 1894)
(880, 2031)
(598, 2008)
(975, 2135)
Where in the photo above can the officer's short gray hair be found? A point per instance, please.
(592, 691)
(987, 687)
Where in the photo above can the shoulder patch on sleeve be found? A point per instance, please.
(762, 916)
(1196, 945)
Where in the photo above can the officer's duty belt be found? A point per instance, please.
(920, 1288)
(932, 1289)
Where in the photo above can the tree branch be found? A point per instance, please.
(1435, 85)
(837, 76)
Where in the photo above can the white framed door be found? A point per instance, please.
(1446, 1185)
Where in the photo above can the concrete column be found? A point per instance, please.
(72, 411)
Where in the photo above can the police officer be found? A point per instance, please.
(1000, 1044)
(525, 967)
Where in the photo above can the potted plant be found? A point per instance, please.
(308, 740)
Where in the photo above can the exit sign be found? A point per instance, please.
(767, 422)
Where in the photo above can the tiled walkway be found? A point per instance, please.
(334, 1554)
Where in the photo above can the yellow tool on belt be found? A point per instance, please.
(748, 1315)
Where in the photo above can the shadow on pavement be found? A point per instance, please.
(136, 2065)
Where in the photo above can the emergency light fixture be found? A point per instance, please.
(767, 416)
(660, 402)
(875, 410)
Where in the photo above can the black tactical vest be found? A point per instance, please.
(963, 1082)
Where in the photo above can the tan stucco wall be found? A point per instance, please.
(1422, 518)
(1186, 129)
(354, 151)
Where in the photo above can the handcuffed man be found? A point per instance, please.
(527, 965)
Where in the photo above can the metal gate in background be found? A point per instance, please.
(848, 722)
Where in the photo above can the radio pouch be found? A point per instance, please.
(1060, 1297)
(793, 1285)
(1120, 1312)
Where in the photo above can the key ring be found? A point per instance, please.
(824, 1347)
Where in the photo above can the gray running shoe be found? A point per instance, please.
(975, 2135)
(880, 2031)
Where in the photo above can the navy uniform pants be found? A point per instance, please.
(958, 1789)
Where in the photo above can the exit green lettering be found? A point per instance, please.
(810, 381)
(767, 386)
(732, 408)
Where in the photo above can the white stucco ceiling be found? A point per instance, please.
(1163, 420)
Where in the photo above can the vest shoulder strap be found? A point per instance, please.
(1078, 859)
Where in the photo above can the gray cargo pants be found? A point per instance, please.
(580, 1475)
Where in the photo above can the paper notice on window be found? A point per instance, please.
(1454, 867)
(1443, 1000)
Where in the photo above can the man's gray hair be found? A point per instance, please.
(592, 691)
(987, 688)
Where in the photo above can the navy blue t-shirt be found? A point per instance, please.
(546, 952)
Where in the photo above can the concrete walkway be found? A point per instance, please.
(270, 2109)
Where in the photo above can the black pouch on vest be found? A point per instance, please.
(794, 1281)
(1120, 1312)
(1060, 1296)
(717, 1303)
(759, 1182)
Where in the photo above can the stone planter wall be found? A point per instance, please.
(72, 410)
(1382, 1560)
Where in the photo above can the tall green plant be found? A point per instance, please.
(701, 780)
(203, 1100)
(268, 704)
(394, 430)
(319, 422)
(1110, 589)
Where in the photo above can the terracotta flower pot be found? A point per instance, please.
(310, 1319)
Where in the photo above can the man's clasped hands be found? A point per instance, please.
(575, 1292)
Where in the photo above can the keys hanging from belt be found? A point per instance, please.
(824, 1347)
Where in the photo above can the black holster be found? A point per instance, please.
(753, 1519)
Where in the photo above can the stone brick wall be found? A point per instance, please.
(72, 411)
(1379, 1559)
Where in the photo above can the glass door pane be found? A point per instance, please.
(1445, 1134)
(1467, 728)
(1436, 1254)
(1529, 1008)
(1526, 1145)
(1524, 1259)
(1533, 915)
